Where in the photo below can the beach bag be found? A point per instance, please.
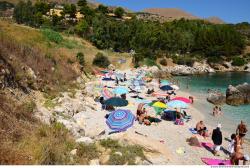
(179, 122)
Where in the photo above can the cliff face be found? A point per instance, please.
(238, 95)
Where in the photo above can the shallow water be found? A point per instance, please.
(198, 86)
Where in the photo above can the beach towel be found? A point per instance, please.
(193, 131)
(211, 161)
(206, 145)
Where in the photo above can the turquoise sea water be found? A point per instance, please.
(198, 86)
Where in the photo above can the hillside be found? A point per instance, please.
(169, 14)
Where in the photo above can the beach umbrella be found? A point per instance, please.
(106, 93)
(104, 71)
(186, 100)
(175, 87)
(164, 82)
(120, 120)
(159, 104)
(116, 101)
(107, 79)
(120, 90)
(166, 87)
(177, 104)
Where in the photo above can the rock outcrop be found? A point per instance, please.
(238, 95)
(216, 98)
(198, 68)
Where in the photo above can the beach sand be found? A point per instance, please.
(173, 137)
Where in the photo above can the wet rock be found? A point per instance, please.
(238, 95)
(216, 98)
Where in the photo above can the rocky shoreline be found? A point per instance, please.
(201, 68)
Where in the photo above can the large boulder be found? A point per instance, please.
(238, 95)
(216, 98)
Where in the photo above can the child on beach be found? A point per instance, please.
(231, 145)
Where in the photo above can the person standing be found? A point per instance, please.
(217, 140)
(241, 130)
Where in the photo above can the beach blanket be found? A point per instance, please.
(159, 94)
(193, 131)
(211, 161)
(206, 145)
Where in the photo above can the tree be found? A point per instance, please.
(80, 57)
(41, 7)
(101, 60)
(103, 9)
(82, 3)
(119, 12)
(82, 27)
(70, 9)
(24, 12)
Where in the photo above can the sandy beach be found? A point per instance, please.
(174, 137)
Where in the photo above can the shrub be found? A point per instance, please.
(150, 62)
(238, 61)
(184, 61)
(80, 57)
(87, 151)
(52, 35)
(211, 60)
(101, 60)
(163, 62)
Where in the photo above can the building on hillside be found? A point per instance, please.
(111, 14)
(55, 11)
(79, 16)
(126, 17)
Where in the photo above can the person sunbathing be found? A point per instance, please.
(141, 115)
(201, 129)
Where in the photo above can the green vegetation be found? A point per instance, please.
(101, 60)
(119, 12)
(88, 152)
(128, 153)
(80, 57)
(52, 36)
(163, 62)
(238, 61)
(4, 5)
(187, 38)
(217, 60)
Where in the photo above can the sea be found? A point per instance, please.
(198, 86)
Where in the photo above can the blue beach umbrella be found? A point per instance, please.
(164, 82)
(177, 104)
(120, 90)
(166, 87)
(116, 101)
(120, 120)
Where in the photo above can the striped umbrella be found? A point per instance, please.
(120, 120)
(186, 100)
(177, 104)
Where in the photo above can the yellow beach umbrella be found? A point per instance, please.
(159, 104)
